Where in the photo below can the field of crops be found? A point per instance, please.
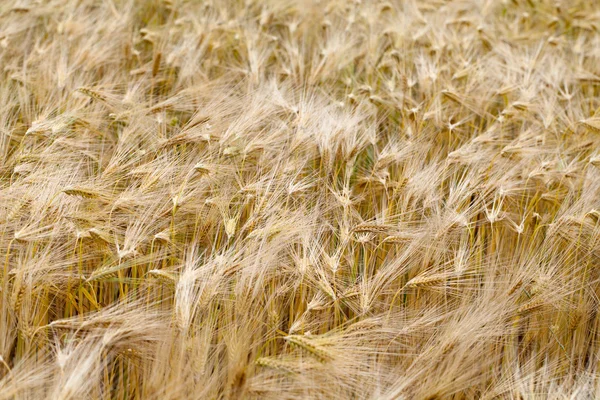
(299, 199)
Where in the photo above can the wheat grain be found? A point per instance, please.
(299, 199)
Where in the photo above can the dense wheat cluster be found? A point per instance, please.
(277, 199)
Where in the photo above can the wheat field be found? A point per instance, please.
(277, 199)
